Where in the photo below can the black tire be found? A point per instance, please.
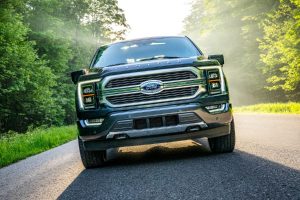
(91, 159)
(223, 144)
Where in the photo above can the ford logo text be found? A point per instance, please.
(151, 87)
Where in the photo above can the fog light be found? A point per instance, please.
(213, 107)
(216, 108)
(94, 122)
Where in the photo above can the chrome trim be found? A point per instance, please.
(156, 131)
(200, 90)
(79, 92)
(111, 95)
(202, 124)
(164, 88)
(160, 71)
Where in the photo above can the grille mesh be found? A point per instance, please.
(136, 80)
(140, 97)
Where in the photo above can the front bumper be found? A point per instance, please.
(117, 128)
(97, 145)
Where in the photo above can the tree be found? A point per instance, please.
(281, 49)
(232, 27)
(67, 33)
(41, 42)
(25, 95)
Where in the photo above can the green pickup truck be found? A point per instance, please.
(151, 90)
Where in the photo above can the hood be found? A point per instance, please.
(156, 64)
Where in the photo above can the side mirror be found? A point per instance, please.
(219, 58)
(76, 74)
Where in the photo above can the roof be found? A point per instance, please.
(147, 38)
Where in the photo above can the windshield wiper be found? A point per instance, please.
(116, 64)
(159, 57)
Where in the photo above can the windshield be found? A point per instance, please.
(143, 50)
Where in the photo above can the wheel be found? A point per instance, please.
(223, 144)
(91, 159)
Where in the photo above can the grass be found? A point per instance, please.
(14, 147)
(280, 108)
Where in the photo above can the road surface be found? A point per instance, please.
(265, 165)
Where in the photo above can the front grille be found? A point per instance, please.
(165, 94)
(137, 80)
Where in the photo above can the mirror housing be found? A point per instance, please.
(76, 74)
(219, 58)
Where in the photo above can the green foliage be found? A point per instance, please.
(260, 41)
(67, 33)
(14, 147)
(41, 42)
(281, 48)
(25, 95)
(280, 108)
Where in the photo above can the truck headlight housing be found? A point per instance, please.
(215, 79)
(87, 94)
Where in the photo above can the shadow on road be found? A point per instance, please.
(187, 172)
(156, 154)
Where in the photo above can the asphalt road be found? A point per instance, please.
(265, 165)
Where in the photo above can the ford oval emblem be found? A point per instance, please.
(151, 87)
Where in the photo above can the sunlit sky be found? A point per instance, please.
(155, 17)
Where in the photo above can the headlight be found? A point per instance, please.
(87, 94)
(213, 74)
(214, 87)
(88, 89)
(215, 79)
(87, 100)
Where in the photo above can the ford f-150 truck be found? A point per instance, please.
(151, 90)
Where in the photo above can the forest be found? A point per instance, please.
(260, 41)
(42, 41)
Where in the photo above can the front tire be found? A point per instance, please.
(223, 144)
(91, 159)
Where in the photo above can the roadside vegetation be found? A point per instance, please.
(279, 108)
(14, 146)
(41, 42)
(260, 42)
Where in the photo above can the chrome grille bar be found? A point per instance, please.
(164, 77)
(178, 84)
(166, 94)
